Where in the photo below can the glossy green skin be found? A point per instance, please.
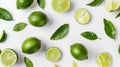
(78, 51)
(31, 45)
(37, 19)
(22, 4)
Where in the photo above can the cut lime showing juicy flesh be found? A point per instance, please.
(104, 59)
(112, 6)
(82, 16)
(60, 6)
(53, 54)
(2, 34)
(8, 57)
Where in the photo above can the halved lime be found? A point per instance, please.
(8, 57)
(104, 59)
(60, 6)
(82, 16)
(112, 5)
(2, 34)
(53, 54)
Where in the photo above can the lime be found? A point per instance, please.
(8, 57)
(31, 45)
(53, 54)
(104, 59)
(82, 16)
(2, 35)
(60, 6)
(38, 19)
(112, 5)
(78, 51)
(22, 4)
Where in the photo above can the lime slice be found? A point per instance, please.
(112, 5)
(53, 54)
(60, 6)
(104, 59)
(2, 34)
(8, 57)
(82, 16)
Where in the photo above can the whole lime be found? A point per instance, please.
(22, 4)
(31, 45)
(37, 19)
(78, 51)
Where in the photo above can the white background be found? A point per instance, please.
(96, 25)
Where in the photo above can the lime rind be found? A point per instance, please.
(53, 54)
(104, 59)
(60, 6)
(112, 6)
(82, 16)
(8, 57)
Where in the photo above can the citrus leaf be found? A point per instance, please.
(118, 15)
(95, 3)
(60, 32)
(41, 3)
(109, 29)
(89, 35)
(5, 15)
(119, 49)
(19, 27)
(28, 62)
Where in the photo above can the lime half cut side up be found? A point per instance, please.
(104, 60)
(53, 54)
(8, 57)
(112, 6)
(60, 6)
(82, 16)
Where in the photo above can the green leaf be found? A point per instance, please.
(19, 27)
(61, 32)
(41, 3)
(89, 35)
(118, 15)
(28, 62)
(5, 15)
(95, 3)
(109, 29)
(119, 49)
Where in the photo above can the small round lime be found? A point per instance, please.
(8, 57)
(53, 54)
(31, 45)
(38, 19)
(78, 51)
(22, 4)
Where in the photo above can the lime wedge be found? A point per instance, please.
(8, 57)
(112, 6)
(60, 6)
(82, 16)
(2, 34)
(104, 59)
(53, 54)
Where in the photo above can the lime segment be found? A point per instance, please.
(8, 57)
(53, 54)
(112, 6)
(61, 6)
(104, 59)
(82, 16)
